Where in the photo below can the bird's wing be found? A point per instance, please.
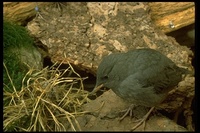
(163, 80)
(132, 90)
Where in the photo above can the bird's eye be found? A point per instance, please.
(104, 77)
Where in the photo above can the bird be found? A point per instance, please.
(141, 76)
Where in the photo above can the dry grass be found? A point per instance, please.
(48, 101)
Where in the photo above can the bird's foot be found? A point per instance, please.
(128, 111)
(140, 121)
(143, 120)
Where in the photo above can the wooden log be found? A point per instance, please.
(179, 14)
(20, 12)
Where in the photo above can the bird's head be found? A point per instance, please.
(104, 73)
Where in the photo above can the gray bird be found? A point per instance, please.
(142, 76)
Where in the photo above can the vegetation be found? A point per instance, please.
(14, 37)
(47, 101)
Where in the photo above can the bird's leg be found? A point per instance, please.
(129, 110)
(143, 120)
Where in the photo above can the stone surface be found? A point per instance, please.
(111, 27)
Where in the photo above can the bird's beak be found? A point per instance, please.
(96, 88)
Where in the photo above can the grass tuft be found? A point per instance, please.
(47, 101)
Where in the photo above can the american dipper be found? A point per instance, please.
(142, 76)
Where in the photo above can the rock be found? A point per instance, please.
(105, 114)
(30, 57)
(109, 28)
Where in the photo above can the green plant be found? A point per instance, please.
(14, 38)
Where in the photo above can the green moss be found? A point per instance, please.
(14, 37)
